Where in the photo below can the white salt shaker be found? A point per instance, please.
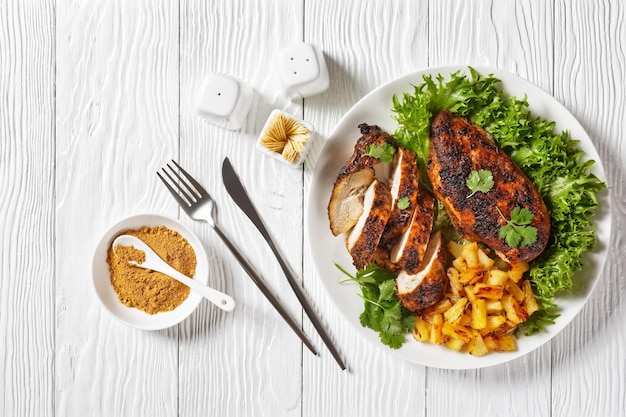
(224, 101)
(302, 70)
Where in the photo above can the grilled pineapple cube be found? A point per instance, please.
(517, 271)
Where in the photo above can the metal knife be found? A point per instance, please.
(235, 189)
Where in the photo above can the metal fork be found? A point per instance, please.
(199, 205)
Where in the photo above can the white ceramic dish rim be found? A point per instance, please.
(375, 108)
(108, 297)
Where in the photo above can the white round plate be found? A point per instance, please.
(132, 316)
(375, 108)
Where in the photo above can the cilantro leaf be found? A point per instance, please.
(522, 216)
(364, 319)
(510, 236)
(481, 180)
(517, 233)
(394, 341)
(387, 290)
(373, 274)
(382, 310)
(529, 235)
(409, 322)
(384, 151)
(391, 320)
(403, 203)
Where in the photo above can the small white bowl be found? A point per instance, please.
(132, 316)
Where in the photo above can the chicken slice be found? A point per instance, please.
(409, 251)
(457, 148)
(363, 239)
(381, 258)
(425, 287)
(346, 200)
(404, 184)
(371, 135)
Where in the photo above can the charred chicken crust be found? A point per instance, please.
(458, 147)
(346, 201)
(404, 183)
(426, 286)
(365, 235)
(409, 252)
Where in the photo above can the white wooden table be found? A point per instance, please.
(95, 96)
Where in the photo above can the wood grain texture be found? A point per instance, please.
(27, 208)
(514, 36)
(247, 362)
(117, 122)
(590, 67)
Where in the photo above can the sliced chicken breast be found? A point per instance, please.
(381, 258)
(363, 239)
(425, 287)
(404, 184)
(371, 135)
(346, 200)
(409, 252)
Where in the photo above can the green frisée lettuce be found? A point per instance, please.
(551, 160)
(461, 95)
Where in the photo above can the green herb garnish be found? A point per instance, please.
(479, 181)
(383, 311)
(384, 152)
(517, 232)
(403, 203)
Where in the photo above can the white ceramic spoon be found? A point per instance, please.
(155, 263)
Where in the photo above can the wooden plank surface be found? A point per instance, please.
(590, 84)
(95, 96)
(27, 209)
(117, 120)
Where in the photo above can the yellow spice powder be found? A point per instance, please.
(151, 291)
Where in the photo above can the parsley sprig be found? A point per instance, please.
(384, 151)
(517, 232)
(383, 311)
(481, 180)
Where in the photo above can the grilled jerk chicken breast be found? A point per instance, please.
(404, 183)
(370, 135)
(409, 252)
(458, 147)
(426, 286)
(364, 237)
(346, 201)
